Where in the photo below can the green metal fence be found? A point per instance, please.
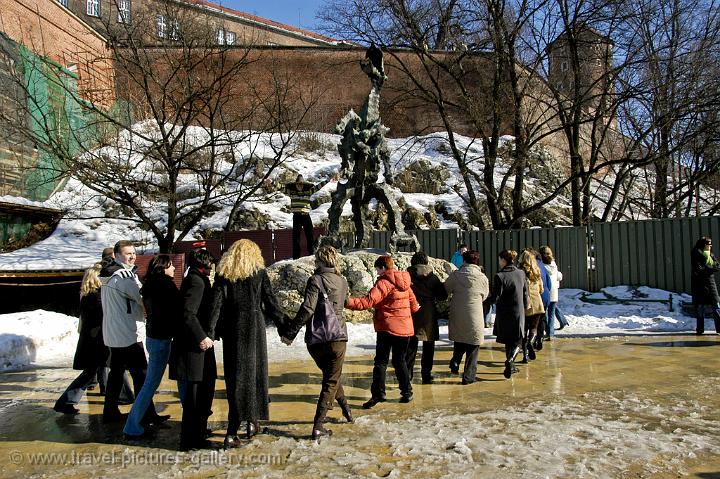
(570, 246)
(635, 253)
(654, 253)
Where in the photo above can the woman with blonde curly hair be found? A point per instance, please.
(242, 303)
(535, 310)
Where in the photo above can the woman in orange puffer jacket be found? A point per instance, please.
(394, 303)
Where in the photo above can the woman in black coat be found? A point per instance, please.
(428, 290)
(704, 289)
(510, 296)
(326, 336)
(242, 300)
(193, 357)
(163, 308)
(91, 352)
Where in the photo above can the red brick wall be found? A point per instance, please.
(331, 77)
(50, 30)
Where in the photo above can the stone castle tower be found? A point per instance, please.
(594, 82)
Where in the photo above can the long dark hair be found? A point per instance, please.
(200, 259)
(158, 265)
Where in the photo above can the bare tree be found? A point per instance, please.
(197, 124)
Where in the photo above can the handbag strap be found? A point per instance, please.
(322, 287)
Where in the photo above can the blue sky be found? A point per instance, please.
(293, 12)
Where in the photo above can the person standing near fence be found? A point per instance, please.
(509, 294)
(556, 276)
(547, 284)
(457, 257)
(300, 192)
(325, 334)
(704, 265)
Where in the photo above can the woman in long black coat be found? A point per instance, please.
(704, 265)
(243, 300)
(510, 296)
(192, 357)
(428, 290)
(91, 352)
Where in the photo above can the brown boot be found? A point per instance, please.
(318, 429)
(345, 408)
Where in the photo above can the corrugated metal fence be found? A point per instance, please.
(653, 253)
(568, 244)
(645, 253)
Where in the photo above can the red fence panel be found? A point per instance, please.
(283, 242)
(178, 261)
(262, 237)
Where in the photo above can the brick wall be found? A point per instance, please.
(50, 30)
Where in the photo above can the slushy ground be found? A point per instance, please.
(625, 407)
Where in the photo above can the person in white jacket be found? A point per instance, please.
(122, 310)
(553, 311)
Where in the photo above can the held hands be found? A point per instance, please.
(286, 340)
(206, 344)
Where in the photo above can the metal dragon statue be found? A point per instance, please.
(363, 150)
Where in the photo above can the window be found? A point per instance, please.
(167, 28)
(123, 11)
(64, 3)
(564, 66)
(92, 8)
(161, 26)
(225, 37)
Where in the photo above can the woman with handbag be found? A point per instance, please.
(325, 332)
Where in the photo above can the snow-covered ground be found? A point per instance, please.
(49, 339)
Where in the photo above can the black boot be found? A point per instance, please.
(345, 408)
(318, 428)
(530, 350)
(538, 342)
(510, 363)
(525, 351)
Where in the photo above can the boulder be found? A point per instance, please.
(289, 277)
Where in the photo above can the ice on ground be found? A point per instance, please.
(47, 338)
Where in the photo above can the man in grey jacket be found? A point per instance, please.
(122, 309)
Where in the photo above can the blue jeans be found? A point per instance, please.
(701, 310)
(159, 352)
(75, 391)
(553, 311)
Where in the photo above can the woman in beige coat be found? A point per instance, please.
(468, 288)
(535, 310)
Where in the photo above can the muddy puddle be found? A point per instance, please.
(625, 407)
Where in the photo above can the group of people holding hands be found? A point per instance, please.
(235, 305)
